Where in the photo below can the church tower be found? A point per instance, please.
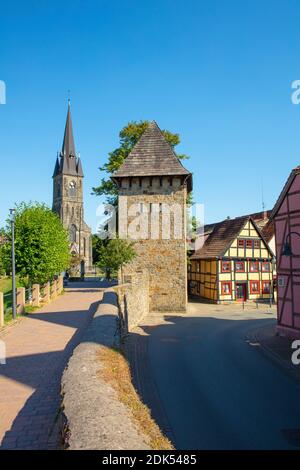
(68, 197)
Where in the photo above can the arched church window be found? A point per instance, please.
(73, 231)
(72, 189)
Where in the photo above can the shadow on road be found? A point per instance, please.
(207, 388)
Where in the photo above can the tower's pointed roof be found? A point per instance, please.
(152, 155)
(56, 168)
(79, 167)
(68, 146)
(69, 164)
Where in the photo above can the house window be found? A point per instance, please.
(226, 288)
(241, 243)
(254, 266)
(254, 287)
(265, 267)
(240, 266)
(226, 266)
(266, 287)
(257, 244)
(248, 243)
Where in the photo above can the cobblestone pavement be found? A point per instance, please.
(38, 348)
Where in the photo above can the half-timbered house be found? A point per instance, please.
(235, 263)
(286, 217)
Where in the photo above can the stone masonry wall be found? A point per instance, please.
(133, 299)
(165, 259)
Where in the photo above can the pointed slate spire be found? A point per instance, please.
(152, 155)
(68, 147)
(56, 168)
(68, 164)
(79, 167)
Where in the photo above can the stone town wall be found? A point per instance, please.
(165, 258)
(133, 299)
(93, 417)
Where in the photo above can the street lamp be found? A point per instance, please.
(287, 249)
(13, 263)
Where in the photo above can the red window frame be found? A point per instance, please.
(251, 287)
(239, 270)
(263, 265)
(264, 289)
(256, 270)
(249, 244)
(223, 283)
(223, 264)
(257, 244)
(241, 243)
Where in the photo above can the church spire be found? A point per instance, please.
(68, 162)
(68, 147)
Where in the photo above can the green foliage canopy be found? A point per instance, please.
(41, 243)
(113, 255)
(129, 136)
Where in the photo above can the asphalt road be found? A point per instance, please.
(217, 391)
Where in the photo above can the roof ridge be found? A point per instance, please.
(152, 155)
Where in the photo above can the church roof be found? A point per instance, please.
(152, 155)
(68, 164)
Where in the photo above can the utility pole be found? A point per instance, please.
(13, 263)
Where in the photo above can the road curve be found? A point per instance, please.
(214, 390)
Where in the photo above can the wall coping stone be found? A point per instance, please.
(94, 418)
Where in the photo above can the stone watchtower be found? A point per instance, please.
(153, 187)
(68, 197)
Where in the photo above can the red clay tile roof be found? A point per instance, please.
(268, 230)
(221, 237)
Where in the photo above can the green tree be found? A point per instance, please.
(97, 244)
(41, 243)
(113, 255)
(129, 136)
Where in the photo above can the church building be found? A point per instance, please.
(68, 198)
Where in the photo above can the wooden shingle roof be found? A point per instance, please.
(152, 155)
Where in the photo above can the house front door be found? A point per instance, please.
(241, 292)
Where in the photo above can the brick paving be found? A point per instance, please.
(38, 348)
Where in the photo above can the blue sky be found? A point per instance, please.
(217, 72)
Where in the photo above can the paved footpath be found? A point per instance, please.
(38, 348)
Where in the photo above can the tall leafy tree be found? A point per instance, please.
(41, 243)
(113, 255)
(129, 136)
